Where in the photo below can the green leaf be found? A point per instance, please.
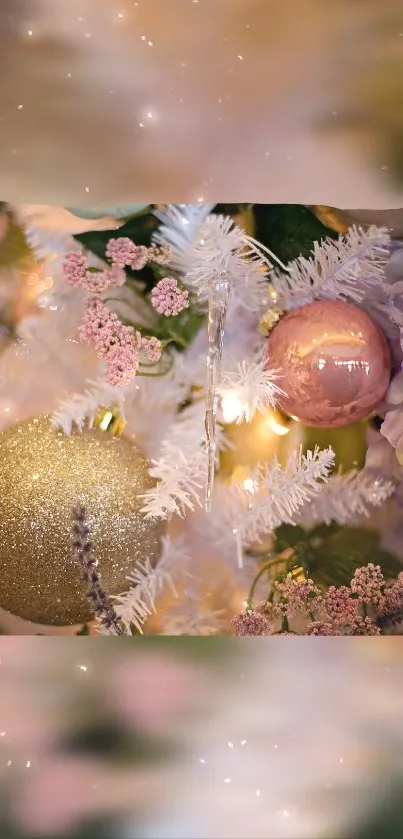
(347, 548)
(331, 553)
(287, 536)
(183, 328)
(289, 230)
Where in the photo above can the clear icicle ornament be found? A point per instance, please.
(217, 313)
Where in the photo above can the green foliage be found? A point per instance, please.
(289, 230)
(330, 554)
(387, 821)
(179, 330)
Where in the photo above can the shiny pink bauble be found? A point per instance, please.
(334, 362)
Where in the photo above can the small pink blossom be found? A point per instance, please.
(161, 254)
(115, 276)
(117, 344)
(99, 281)
(152, 348)
(368, 583)
(390, 608)
(362, 626)
(251, 622)
(122, 251)
(322, 628)
(75, 267)
(95, 281)
(122, 364)
(168, 299)
(339, 606)
(297, 596)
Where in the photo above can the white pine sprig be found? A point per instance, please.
(179, 223)
(337, 270)
(136, 605)
(346, 499)
(180, 482)
(82, 408)
(222, 249)
(180, 470)
(253, 386)
(270, 496)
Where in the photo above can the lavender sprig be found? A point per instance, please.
(100, 602)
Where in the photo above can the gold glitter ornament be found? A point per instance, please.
(43, 474)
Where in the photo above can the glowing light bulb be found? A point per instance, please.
(277, 427)
(232, 407)
(250, 485)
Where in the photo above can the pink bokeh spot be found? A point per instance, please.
(149, 692)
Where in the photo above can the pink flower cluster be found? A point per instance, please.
(367, 607)
(297, 596)
(251, 622)
(117, 344)
(368, 583)
(123, 252)
(168, 299)
(160, 254)
(77, 273)
(101, 330)
(152, 348)
(339, 605)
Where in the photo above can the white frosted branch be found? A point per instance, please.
(270, 496)
(344, 269)
(253, 386)
(137, 604)
(346, 499)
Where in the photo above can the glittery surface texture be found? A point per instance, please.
(334, 362)
(43, 474)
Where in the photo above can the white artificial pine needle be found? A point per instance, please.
(337, 270)
(252, 386)
(346, 499)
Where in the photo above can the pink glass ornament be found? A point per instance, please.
(334, 362)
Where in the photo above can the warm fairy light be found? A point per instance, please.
(277, 427)
(232, 407)
(104, 424)
(250, 485)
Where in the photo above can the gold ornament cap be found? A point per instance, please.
(269, 320)
(111, 421)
